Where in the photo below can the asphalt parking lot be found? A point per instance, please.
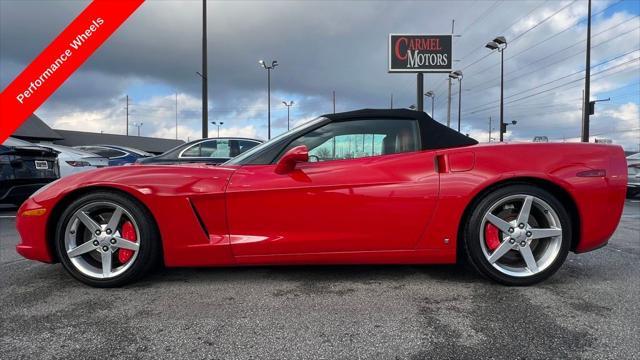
(589, 309)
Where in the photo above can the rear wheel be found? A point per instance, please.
(106, 239)
(518, 235)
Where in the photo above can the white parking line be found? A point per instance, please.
(7, 216)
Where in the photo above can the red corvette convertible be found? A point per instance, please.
(363, 187)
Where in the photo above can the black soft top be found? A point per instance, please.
(434, 135)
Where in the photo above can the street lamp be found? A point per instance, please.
(503, 127)
(218, 124)
(288, 106)
(432, 95)
(274, 63)
(458, 75)
(138, 126)
(500, 43)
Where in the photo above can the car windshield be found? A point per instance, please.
(240, 158)
(16, 142)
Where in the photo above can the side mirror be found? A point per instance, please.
(289, 160)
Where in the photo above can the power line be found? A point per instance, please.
(542, 22)
(508, 27)
(523, 33)
(483, 71)
(441, 83)
(527, 115)
(473, 111)
(573, 81)
(481, 16)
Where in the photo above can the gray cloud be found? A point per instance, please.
(323, 46)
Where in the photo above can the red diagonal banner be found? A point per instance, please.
(60, 59)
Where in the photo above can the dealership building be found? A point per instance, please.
(35, 130)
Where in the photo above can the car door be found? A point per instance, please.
(369, 187)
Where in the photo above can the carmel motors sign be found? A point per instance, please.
(420, 53)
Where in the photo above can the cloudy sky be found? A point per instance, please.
(341, 46)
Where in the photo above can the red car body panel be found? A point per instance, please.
(399, 208)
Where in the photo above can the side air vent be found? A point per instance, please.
(195, 212)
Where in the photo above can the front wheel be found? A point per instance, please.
(518, 235)
(106, 239)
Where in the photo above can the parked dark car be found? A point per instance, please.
(211, 151)
(117, 155)
(633, 175)
(24, 168)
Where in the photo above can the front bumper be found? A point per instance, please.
(33, 233)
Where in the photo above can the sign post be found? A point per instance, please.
(415, 53)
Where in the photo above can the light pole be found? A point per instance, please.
(449, 103)
(138, 126)
(203, 75)
(500, 43)
(288, 107)
(584, 137)
(218, 124)
(274, 63)
(503, 127)
(432, 95)
(458, 75)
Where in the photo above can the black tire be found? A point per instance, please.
(472, 241)
(149, 252)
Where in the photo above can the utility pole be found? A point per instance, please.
(420, 89)
(502, 94)
(587, 82)
(489, 128)
(449, 104)
(176, 116)
(205, 88)
(391, 101)
(334, 102)
(459, 100)
(127, 110)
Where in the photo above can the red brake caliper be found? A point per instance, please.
(128, 232)
(491, 236)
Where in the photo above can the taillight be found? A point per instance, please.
(78, 163)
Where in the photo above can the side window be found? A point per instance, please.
(212, 149)
(360, 138)
(242, 146)
(193, 151)
(113, 153)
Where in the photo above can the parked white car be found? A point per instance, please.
(73, 161)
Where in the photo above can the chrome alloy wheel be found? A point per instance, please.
(529, 235)
(93, 236)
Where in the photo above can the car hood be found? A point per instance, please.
(143, 181)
